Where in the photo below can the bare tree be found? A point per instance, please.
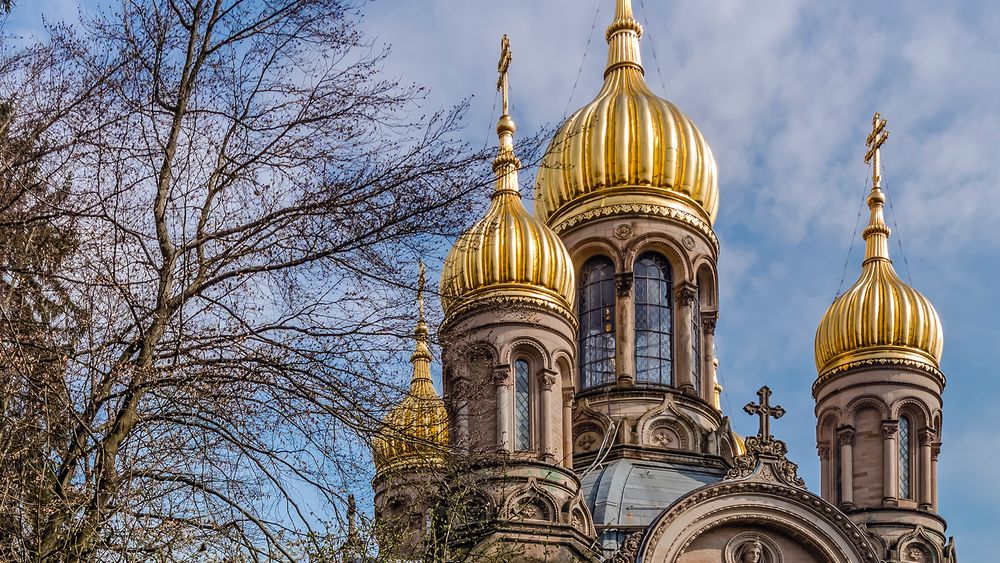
(234, 194)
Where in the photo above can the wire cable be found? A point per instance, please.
(652, 47)
(586, 50)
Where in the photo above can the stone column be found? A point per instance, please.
(935, 452)
(825, 476)
(708, 322)
(567, 427)
(683, 358)
(890, 466)
(459, 401)
(924, 474)
(546, 432)
(501, 377)
(625, 331)
(845, 438)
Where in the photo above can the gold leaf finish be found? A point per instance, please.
(508, 254)
(414, 433)
(880, 316)
(627, 145)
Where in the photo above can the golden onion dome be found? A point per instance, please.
(414, 434)
(880, 318)
(508, 255)
(628, 150)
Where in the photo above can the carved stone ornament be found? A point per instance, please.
(623, 283)
(688, 241)
(501, 375)
(752, 547)
(648, 209)
(686, 294)
(629, 549)
(845, 436)
(889, 429)
(623, 231)
(765, 459)
(547, 378)
(709, 320)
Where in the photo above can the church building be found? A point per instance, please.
(580, 418)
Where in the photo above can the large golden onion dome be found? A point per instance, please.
(508, 256)
(627, 151)
(414, 434)
(880, 319)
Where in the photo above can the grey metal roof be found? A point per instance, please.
(632, 493)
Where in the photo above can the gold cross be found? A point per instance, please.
(421, 280)
(502, 83)
(875, 140)
(766, 412)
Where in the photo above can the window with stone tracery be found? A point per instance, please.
(522, 406)
(653, 320)
(596, 307)
(904, 458)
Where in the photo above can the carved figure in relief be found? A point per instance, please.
(753, 552)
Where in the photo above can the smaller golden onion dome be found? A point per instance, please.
(739, 443)
(414, 434)
(880, 317)
(627, 148)
(508, 255)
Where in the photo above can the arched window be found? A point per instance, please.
(653, 318)
(696, 342)
(522, 406)
(597, 325)
(904, 458)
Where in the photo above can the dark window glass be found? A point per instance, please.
(597, 322)
(653, 319)
(696, 342)
(522, 407)
(904, 458)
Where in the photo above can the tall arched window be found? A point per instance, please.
(904, 458)
(597, 325)
(696, 342)
(653, 318)
(522, 406)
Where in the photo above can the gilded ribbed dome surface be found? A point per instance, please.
(415, 433)
(626, 147)
(508, 254)
(880, 317)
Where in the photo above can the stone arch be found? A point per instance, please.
(529, 347)
(588, 436)
(828, 421)
(916, 409)
(678, 257)
(531, 502)
(757, 507)
(866, 401)
(668, 416)
(918, 546)
(564, 364)
(577, 515)
(708, 285)
(595, 246)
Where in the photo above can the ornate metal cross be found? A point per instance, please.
(765, 411)
(502, 83)
(875, 140)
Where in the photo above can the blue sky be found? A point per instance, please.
(784, 91)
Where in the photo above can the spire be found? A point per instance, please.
(623, 39)
(506, 164)
(421, 358)
(876, 235)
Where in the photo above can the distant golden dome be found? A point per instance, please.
(626, 149)
(880, 317)
(414, 434)
(507, 255)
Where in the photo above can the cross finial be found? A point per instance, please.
(502, 83)
(876, 139)
(421, 281)
(765, 412)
